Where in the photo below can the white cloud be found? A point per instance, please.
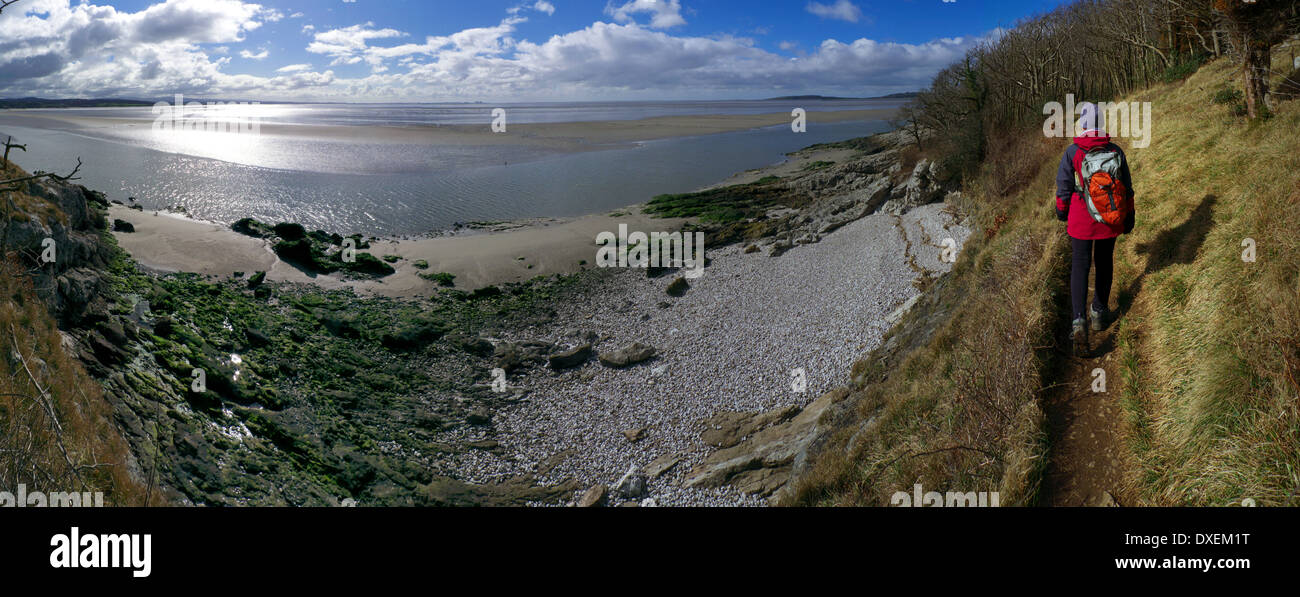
(666, 13)
(843, 10)
(57, 49)
(347, 45)
(539, 6)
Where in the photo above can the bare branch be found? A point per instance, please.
(44, 401)
(9, 144)
(17, 182)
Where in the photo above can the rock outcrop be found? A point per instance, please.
(921, 188)
(762, 449)
(844, 193)
(58, 220)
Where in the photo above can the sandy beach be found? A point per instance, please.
(171, 243)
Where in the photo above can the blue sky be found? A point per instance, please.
(431, 50)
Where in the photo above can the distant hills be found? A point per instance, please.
(907, 95)
(36, 102)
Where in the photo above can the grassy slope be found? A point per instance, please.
(1211, 350)
(1208, 349)
(80, 448)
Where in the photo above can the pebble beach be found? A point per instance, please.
(735, 342)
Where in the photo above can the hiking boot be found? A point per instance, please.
(1100, 317)
(1079, 336)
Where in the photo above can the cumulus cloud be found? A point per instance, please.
(55, 48)
(665, 14)
(541, 6)
(349, 44)
(58, 49)
(842, 10)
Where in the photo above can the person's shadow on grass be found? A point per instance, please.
(1180, 244)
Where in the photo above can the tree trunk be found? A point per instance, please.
(1257, 59)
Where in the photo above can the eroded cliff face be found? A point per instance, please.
(58, 229)
(59, 428)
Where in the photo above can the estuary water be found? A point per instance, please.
(372, 186)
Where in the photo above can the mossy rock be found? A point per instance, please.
(290, 231)
(411, 334)
(300, 252)
(678, 287)
(256, 338)
(343, 325)
(251, 227)
(442, 279)
(360, 241)
(257, 280)
(164, 327)
(365, 263)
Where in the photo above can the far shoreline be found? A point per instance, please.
(560, 136)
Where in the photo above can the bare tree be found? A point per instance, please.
(5, 4)
(909, 119)
(1255, 27)
(9, 144)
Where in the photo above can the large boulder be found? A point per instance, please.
(570, 358)
(513, 356)
(627, 356)
(631, 486)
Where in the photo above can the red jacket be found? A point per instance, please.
(1069, 207)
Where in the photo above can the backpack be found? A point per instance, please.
(1108, 199)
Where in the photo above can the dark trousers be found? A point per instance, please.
(1086, 252)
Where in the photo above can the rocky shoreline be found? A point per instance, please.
(616, 391)
(721, 363)
(708, 415)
